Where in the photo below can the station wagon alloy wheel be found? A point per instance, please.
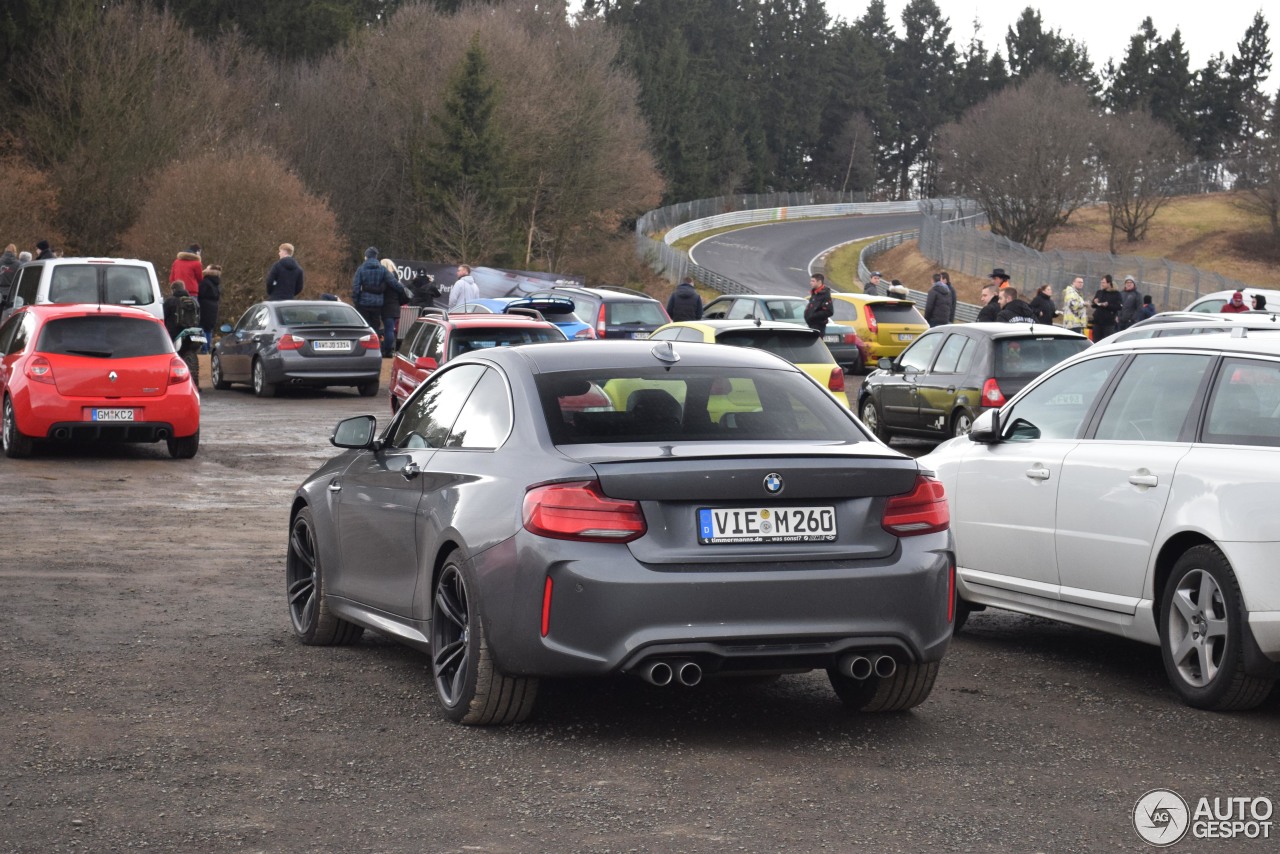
(1198, 628)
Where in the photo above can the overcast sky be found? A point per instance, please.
(1104, 26)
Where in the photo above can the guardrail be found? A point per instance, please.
(965, 312)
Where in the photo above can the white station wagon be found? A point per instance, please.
(1135, 489)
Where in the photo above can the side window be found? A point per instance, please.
(129, 286)
(73, 283)
(920, 353)
(24, 293)
(741, 308)
(672, 334)
(423, 342)
(717, 309)
(1153, 398)
(486, 417)
(953, 353)
(407, 342)
(694, 335)
(434, 345)
(1244, 408)
(253, 319)
(1056, 408)
(428, 416)
(20, 330)
(7, 331)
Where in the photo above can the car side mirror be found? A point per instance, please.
(884, 363)
(426, 363)
(986, 427)
(225, 328)
(355, 432)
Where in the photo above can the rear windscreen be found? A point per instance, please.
(129, 286)
(71, 283)
(1030, 357)
(635, 313)
(464, 341)
(796, 349)
(689, 405)
(896, 312)
(104, 337)
(339, 314)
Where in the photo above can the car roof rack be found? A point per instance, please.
(529, 312)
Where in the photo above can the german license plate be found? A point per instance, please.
(831, 339)
(327, 345)
(717, 526)
(112, 415)
(906, 336)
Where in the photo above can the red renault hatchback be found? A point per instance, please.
(81, 373)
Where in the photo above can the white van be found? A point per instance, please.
(1213, 303)
(116, 281)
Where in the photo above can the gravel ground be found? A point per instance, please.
(152, 697)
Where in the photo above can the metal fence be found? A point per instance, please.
(958, 244)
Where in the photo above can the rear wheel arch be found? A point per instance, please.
(1174, 548)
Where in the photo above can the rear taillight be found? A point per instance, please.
(923, 510)
(600, 324)
(586, 333)
(851, 338)
(836, 383)
(580, 511)
(290, 342)
(951, 592)
(546, 607)
(370, 342)
(991, 394)
(39, 370)
(873, 326)
(178, 371)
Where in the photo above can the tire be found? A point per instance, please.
(869, 412)
(1202, 621)
(368, 389)
(908, 687)
(215, 374)
(261, 387)
(470, 688)
(16, 445)
(963, 610)
(184, 447)
(961, 423)
(313, 622)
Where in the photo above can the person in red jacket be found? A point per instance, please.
(188, 268)
(1235, 305)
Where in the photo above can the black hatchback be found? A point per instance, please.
(939, 384)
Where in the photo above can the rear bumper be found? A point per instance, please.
(609, 613)
(43, 414)
(295, 369)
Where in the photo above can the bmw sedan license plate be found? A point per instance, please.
(717, 526)
(340, 345)
(112, 415)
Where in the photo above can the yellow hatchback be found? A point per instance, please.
(799, 345)
(885, 324)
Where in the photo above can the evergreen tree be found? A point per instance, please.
(1032, 48)
(1248, 71)
(1217, 120)
(979, 75)
(1130, 84)
(877, 33)
(855, 112)
(921, 90)
(1171, 100)
(794, 68)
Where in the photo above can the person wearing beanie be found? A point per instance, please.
(372, 287)
(285, 279)
(8, 271)
(43, 251)
(210, 298)
(187, 268)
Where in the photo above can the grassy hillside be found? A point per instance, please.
(1208, 231)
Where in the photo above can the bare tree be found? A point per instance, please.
(1024, 155)
(466, 228)
(117, 95)
(1140, 158)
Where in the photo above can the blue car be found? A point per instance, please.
(557, 310)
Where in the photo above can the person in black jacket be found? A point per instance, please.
(684, 302)
(1106, 308)
(210, 297)
(938, 305)
(820, 306)
(991, 303)
(284, 281)
(1013, 309)
(1042, 305)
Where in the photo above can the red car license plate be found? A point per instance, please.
(111, 415)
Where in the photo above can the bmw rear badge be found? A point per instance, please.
(773, 483)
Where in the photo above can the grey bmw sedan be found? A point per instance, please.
(662, 510)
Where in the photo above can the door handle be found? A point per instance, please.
(411, 470)
(335, 485)
(1038, 473)
(1143, 479)
(951, 389)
